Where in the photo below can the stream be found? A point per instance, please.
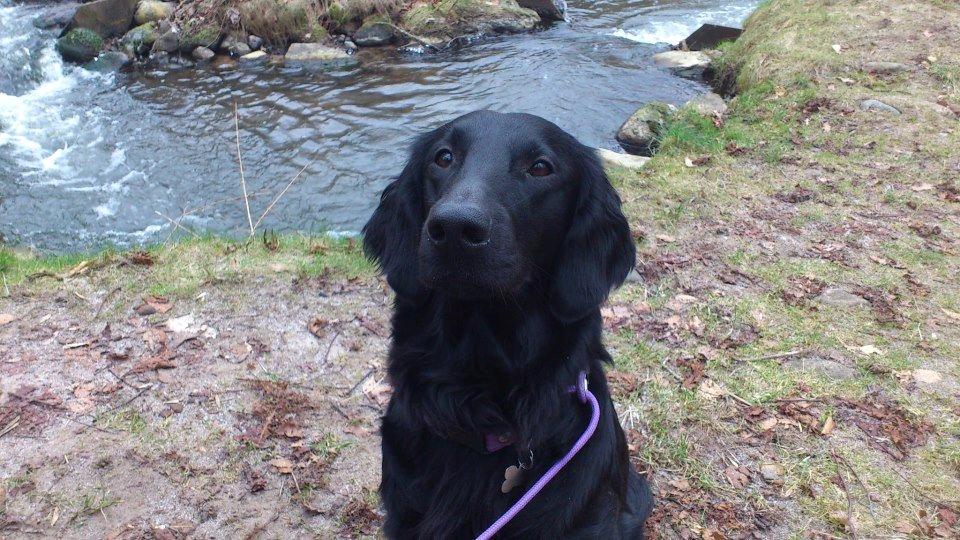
(89, 160)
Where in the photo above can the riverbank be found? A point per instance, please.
(786, 365)
(296, 33)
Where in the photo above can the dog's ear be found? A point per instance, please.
(598, 251)
(392, 234)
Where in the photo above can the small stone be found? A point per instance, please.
(827, 367)
(253, 58)
(885, 68)
(254, 42)
(689, 64)
(878, 106)
(235, 44)
(202, 54)
(176, 407)
(609, 158)
(772, 472)
(837, 297)
(349, 45)
(708, 104)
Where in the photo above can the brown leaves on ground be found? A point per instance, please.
(801, 289)
(360, 517)
(691, 513)
(276, 411)
(889, 428)
(942, 524)
(152, 305)
(27, 408)
(797, 195)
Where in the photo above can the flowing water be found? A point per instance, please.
(88, 159)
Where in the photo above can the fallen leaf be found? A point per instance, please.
(377, 391)
(688, 162)
(711, 390)
(152, 363)
(283, 466)
(768, 424)
(140, 257)
(922, 187)
(736, 477)
(318, 326)
(952, 314)
(836, 48)
(867, 350)
(665, 238)
(153, 304)
(828, 426)
(6, 318)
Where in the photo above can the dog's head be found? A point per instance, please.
(491, 202)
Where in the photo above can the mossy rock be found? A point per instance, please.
(197, 34)
(459, 17)
(140, 39)
(80, 45)
(152, 10)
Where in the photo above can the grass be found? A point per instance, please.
(795, 122)
(180, 268)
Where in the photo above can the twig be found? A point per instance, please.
(243, 181)
(176, 225)
(326, 353)
(843, 485)
(11, 426)
(357, 385)
(775, 356)
(279, 195)
(103, 302)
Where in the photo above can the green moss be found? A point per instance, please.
(80, 45)
(198, 34)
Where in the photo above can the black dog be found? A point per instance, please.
(501, 238)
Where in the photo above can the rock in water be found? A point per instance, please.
(708, 104)
(708, 36)
(202, 54)
(140, 40)
(57, 16)
(610, 158)
(254, 42)
(689, 64)
(235, 44)
(107, 18)
(256, 57)
(168, 42)
(80, 45)
(198, 34)
(317, 56)
(108, 62)
(452, 18)
(152, 10)
(548, 10)
(638, 135)
(374, 32)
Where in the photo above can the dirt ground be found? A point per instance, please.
(787, 355)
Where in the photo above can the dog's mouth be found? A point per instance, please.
(474, 277)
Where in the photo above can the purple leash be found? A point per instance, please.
(585, 395)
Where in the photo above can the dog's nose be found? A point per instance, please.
(454, 226)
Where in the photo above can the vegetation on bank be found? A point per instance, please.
(752, 385)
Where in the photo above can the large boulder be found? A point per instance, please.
(80, 45)
(374, 32)
(452, 18)
(548, 10)
(139, 40)
(317, 56)
(167, 42)
(690, 64)
(56, 16)
(152, 10)
(641, 132)
(107, 18)
(709, 36)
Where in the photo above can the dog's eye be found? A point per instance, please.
(540, 168)
(443, 158)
